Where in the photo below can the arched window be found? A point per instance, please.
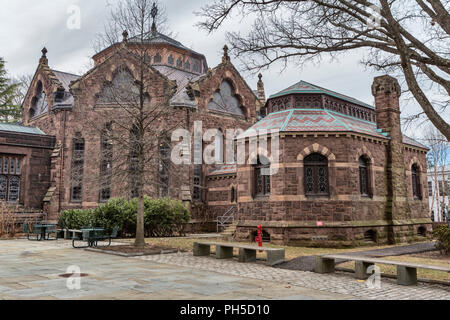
(78, 148)
(233, 195)
(179, 63)
(316, 175)
(106, 158)
(39, 104)
(164, 165)
(415, 172)
(364, 184)
(370, 236)
(157, 58)
(170, 60)
(134, 161)
(262, 177)
(225, 100)
(122, 89)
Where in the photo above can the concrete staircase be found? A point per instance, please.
(230, 231)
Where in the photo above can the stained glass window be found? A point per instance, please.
(39, 102)
(106, 163)
(225, 100)
(10, 179)
(316, 175)
(77, 168)
(164, 166)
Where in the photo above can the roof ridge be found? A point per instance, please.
(72, 74)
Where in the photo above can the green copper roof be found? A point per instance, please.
(306, 87)
(20, 129)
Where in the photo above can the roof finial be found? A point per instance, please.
(44, 59)
(225, 57)
(154, 13)
(125, 36)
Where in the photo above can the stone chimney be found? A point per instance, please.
(387, 91)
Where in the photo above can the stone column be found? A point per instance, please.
(387, 91)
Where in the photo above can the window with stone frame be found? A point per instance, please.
(196, 66)
(10, 172)
(262, 177)
(106, 159)
(170, 60)
(225, 100)
(430, 188)
(78, 149)
(134, 161)
(164, 165)
(198, 179)
(121, 90)
(179, 63)
(157, 58)
(316, 175)
(415, 176)
(364, 181)
(187, 65)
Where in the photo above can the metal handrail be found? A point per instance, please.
(223, 220)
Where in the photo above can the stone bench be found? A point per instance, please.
(406, 272)
(246, 253)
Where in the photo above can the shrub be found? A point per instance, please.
(76, 219)
(117, 212)
(442, 234)
(164, 217)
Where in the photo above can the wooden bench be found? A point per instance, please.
(406, 272)
(246, 253)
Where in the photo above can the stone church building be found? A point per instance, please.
(346, 175)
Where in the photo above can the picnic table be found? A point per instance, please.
(92, 236)
(42, 231)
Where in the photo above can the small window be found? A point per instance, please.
(364, 176)
(422, 231)
(170, 60)
(370, 236)
(157, 58)
(179, 63)
(262, 177)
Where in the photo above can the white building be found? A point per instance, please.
(439, 197)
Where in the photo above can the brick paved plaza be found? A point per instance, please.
(30, 270)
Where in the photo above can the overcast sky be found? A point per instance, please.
(26, 26)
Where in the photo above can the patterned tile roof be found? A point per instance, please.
(20, 129)
(224, 169)
(65, 79)
(314, 120)
(306, 87)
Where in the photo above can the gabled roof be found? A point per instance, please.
(412, 142)
(65, 79)
(20, 129)
(313, 120)
(306, 87)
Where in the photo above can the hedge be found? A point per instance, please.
(162, 217)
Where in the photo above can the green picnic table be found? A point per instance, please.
(42, 231)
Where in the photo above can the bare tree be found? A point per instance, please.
(437, 158)
(408, 37)
(135, 139)
(127, 15)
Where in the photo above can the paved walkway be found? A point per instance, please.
(339, 283)
(31, 270)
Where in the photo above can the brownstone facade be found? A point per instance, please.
(345, 173)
